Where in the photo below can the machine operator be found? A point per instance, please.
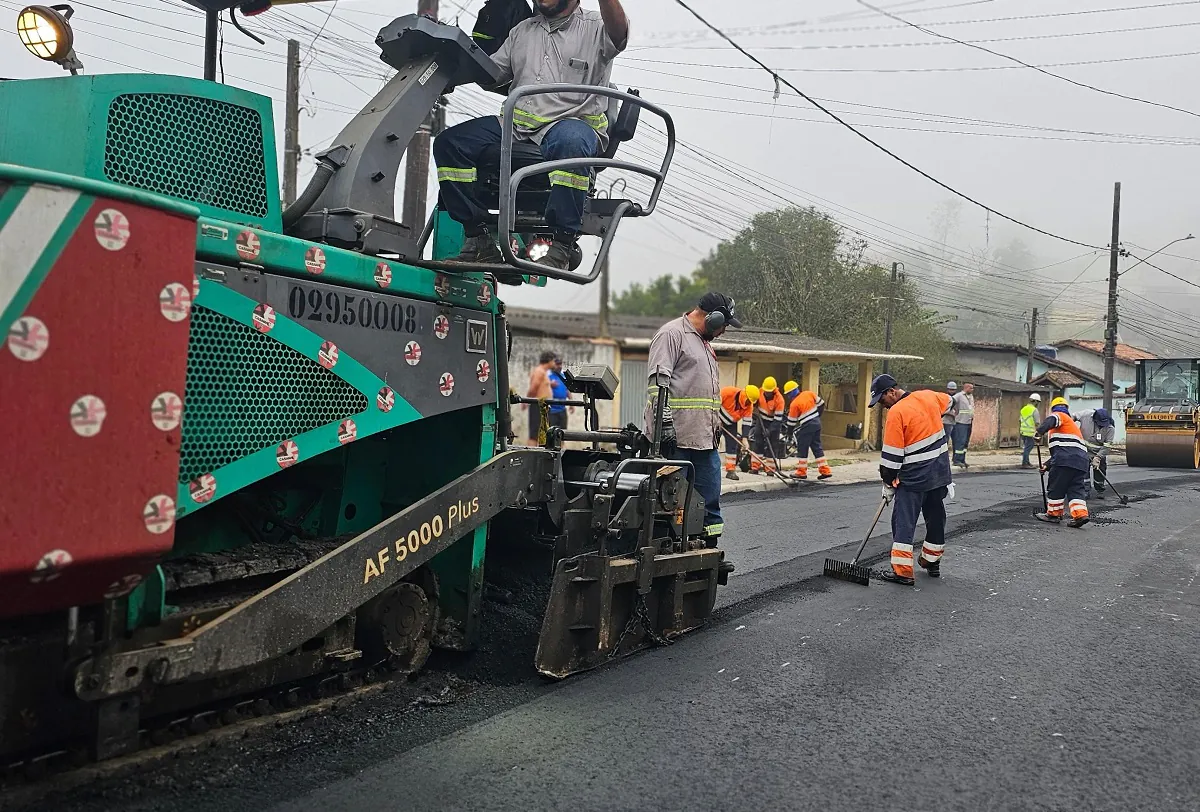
(561, 43)
(682, 360)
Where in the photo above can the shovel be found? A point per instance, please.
(791, 483)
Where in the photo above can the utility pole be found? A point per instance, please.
(416, 163)
(1110, 334)
(291, 124)
(1032, 344)
(887, 330)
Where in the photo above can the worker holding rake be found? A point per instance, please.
(1066, 485)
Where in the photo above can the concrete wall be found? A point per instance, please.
(1003, 364)
(1123, 374)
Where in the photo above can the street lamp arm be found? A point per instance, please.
(1164, 248)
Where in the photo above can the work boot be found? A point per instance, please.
(731, 474)
(1099, 495)
(1027, 465)
(799, 475)
(825, 476)
(1046, 517)
(934, 568)
(479, 249)
(723, 571)
(558, 255)
(891, 576)
(1079, 522)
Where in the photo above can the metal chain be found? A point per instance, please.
(639, 616)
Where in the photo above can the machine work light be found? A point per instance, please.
(45, 33)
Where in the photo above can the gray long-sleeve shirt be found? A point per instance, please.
(686, 363)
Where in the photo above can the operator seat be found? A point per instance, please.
(535, 189)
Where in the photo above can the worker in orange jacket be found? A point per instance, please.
(1068, 465)
(803, 423)
(768, 425)
(737, 411)
(915, 469)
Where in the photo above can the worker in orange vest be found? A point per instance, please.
(768, 425)
(915, 468)
(737, 409)
(803, 423)
(1068, 465)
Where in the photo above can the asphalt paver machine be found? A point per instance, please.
(247, 445)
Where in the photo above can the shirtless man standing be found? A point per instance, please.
(539, 387)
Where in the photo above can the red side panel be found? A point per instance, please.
(91, 387)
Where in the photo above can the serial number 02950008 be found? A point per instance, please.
(353, 310)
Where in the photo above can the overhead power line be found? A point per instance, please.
(1041, 70)
(782, 80)
(1163, 270)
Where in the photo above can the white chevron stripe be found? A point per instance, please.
(27, 233)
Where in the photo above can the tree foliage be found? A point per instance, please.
(662, 296)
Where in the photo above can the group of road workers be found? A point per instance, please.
(914, 463)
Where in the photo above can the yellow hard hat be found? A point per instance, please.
(768, 384)
(752, 393)
(1058, 402)
(790, 386)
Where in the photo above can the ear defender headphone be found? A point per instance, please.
(714, 321)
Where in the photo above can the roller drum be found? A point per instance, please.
(1162, 449)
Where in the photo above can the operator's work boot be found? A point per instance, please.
(889, 575)
(479, 249)
(732, 474)
(558, 254)
(1046, 517)
(934, 568)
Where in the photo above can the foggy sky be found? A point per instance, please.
(1062, 186)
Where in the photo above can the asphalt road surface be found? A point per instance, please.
(1049, 668)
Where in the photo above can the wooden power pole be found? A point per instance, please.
(1032, 344)
(1110, 333)
(291, 124)
(416, 162)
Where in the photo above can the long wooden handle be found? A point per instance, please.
(875, 521)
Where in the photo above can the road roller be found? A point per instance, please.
(1162, 428)
(252, 446)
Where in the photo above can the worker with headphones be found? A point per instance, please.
(682, 360)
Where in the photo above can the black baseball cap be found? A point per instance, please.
(881, 384)
(712, 302)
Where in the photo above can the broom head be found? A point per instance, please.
(854, 573)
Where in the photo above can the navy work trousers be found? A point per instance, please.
(457, 152)
(1028, 443)
(962, 438)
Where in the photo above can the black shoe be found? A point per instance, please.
(800, 476)
(1080, 522)
(732, 475)
(891, 576)
(934, 568)
(558, 255)
(824, 476)
(723, 571)
(1099, 495)
(480, 249)
(1044, 517)
(1027, 465)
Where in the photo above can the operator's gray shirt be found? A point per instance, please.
(684, 361)
(579, 52)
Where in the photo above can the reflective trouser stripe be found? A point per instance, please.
(902, 559)
(1078, 508)
(570, 180)
(714, 529)
(452, 175)
(932, 552)
(1054, 507)
(730, 461)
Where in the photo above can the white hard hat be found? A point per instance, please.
(951, 385)
(1036, 397)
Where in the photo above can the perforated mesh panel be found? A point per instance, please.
(246, 392)
(195, 149)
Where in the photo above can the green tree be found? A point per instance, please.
(662, 296)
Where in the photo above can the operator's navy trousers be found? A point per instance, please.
(457, 152)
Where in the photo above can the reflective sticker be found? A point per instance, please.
(446, 384)
(412, 353)
(383, 275)
(264, 318)
(50, 566)
(287, 454)
(441, 327)
(159, 514)
(166, 410)
(347, 431)
(441, 286)
(195, 287)
(314, 260)
(328, 355)
(386, 399)
(248, 245)
(533, 280)
(485, 295)
(515, 246)
(483, 371)
(175, 302)
(87, 415)
(203, 488)
(112, 229)
(28, 338)
(122, 587)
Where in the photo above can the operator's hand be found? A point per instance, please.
(668, 433)
(889, 493)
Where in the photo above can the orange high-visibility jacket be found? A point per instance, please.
(805, 409)
(736, 407)
(770, 408)
(1067, 446)
(914, 442)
